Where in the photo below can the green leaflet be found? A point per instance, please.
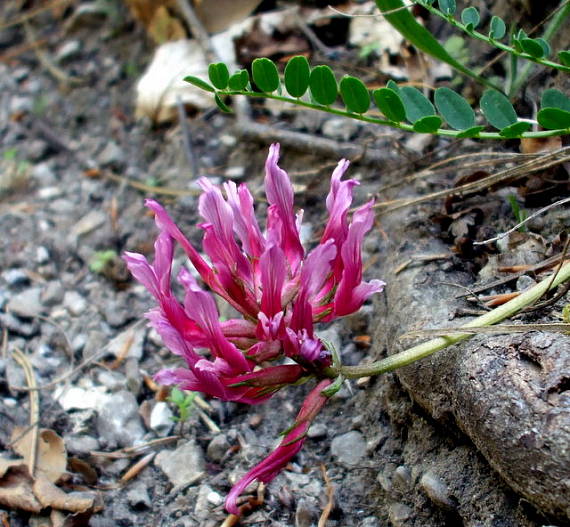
(497, 109)
(416, 104)
(454, 109)
(323, 85)
(297, 73)
(265, 75)
(219, 75)
(354, 94)
(238, 81)
(390, 104)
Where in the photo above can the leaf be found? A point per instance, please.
(238, 81)
(428, 124)
(415, 103)
(554, 118)
(297, 73)
(553, 98)
(454, 109)
(219, 75)
(497, 109)
(532, 47)
(470, 132)
(393, 86)
(354, 94)
(390, 104)
(470, 17)
(323, 85)
(498, 28)
(564, 57)
(221, 104)
(405, 23)
(199, 83)
(514, 130)
(447, 7)
(545, 46)
(265, 75)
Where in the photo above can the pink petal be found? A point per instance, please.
(289, 447)
(273, 273)
(280, 196)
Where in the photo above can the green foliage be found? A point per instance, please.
(390, 104)
(354, 94)
(101, 259)
(497, 109)
(184, 402)
(498, 28)
(470, 17)
(427, 125)
(447, 7)
(416, 104)
(219, 75)
(454, 109)
(297, 74)
(199, 83)
(519, 214)
(265, 75)
(239, 80)
(322, 82)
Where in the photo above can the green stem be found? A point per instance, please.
(401, 126)
(428, 348)
(552, 28)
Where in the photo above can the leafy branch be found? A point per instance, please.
(402, 107)
(524, 47)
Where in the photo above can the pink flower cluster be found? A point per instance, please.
(280, 290)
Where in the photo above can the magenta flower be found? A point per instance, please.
(280, 290)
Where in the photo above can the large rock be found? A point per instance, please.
(508, 393)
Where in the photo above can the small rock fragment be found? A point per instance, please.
(182, 466)
(26, 304)
(161, 419)
(74, 303)
(217, 448)
(436, 490)
(305, 513)
(349, 448)
(138, 496)
(399, 514)
(118, 422)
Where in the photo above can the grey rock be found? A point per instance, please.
(74, 302)
(21, 104)
(44, 174)
(317, 431)
(15, 277)
(42, 255)
(370, 521)
(217, 448)
(68, 50)
(305, 513)
(52, 294)
(36, 150)
(118, 422)
(138, 497)
(161, 419)
(402, 477)
(205, 501)
(133, 337)
(112, 380)
(436, 490)
(112, 155)
(17, 326)
(91, 221)
(116, 313)
(184, 465)
(236, 172)
(94, 341)
(399, 514)
(26, 304)
(340, 129)
(81, 445)
(349, 448)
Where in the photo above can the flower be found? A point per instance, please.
(279, 289)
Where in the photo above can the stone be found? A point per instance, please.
(118, 422)
(236, 172)
(182, 466)
(52, 294)
(76, 398)
(26, 304)
(138, 497)
(402, 477)
(132, 337)
(305, 513)
(112, 155)
(42, 255)
(68, 50)
(161, 419)
(340, 129)
(81, 445)
(15, 277)
(436, 490)
(74, 302)
(349, 448)
(399, 513)
(318, 431)
(44, 174)
(112, 380)
(91, 221)
(217, 448)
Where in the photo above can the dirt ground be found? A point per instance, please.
(393, 450)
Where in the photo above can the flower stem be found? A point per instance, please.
(427, 348)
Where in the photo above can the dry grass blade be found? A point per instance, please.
(136, 469)
(489, 330)
(330, 498)
(547, 160)
(34, 430)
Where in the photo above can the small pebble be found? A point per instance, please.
(74, 303)
(217, 448)
(349, 448)
(436, 490)
(399, 513)
(15, 277)
(26, 304)
(402, 477)
(161, 419)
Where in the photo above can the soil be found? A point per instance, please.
(395, 450)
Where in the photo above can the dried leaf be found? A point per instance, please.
(16, 486)
(52, 456)
(219, 15)
(51, 496)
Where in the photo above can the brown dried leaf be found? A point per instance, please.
(16, 486)
(52, 456)
(51, 496)
(78, 519)
(535, 145)
(79, 466)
